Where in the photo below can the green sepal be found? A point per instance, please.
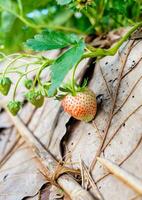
(60, 96)
(28, 83)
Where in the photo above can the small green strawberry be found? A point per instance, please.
(28, 83)
(14, 107)
(82, 106)
(5, 84)
(35, 97)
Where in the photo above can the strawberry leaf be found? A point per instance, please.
(48, 40)
(63, 64)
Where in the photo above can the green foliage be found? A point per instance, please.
(55, 25)
(63, 64)
(20, 19)
(48, 40)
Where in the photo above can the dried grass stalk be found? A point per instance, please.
(129, 179)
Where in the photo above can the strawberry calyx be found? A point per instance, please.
(68, 89)
(28, 83)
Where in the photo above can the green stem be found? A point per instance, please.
(14, 93)
(73, 79)
(10, 63)
(8, 56)
(22, 56)
(42, 26)
(43, 66)
(112, 51)
(2, 55)
(103, 52)
(25, 64)
(20, 7)
(12, 72)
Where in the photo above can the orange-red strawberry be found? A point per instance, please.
(82, 106)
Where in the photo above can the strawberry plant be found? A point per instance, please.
(66, 26)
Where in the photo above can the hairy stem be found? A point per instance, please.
(10, 63)
(14, 93)
(112, 51)
(43, 66)
(73, 79)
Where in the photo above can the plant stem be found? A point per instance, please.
(114, 49)
(111, 51)
(8, 56)
(5, 71)
(22, 56)
(25, 64)
(14, 93)
(12, 72)
(20, 7)
(42, 26)
(43, 66)
(104, 52)
(73, 78)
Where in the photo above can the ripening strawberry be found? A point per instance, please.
(82, 106)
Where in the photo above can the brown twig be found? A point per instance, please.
(112, 110)
(124, 160)
(129, 179)
(91, 181)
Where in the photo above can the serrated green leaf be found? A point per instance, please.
(63, 2)
(48, 40)
(63, 64)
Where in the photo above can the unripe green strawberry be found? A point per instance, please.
(5, 84)
(14, 107)
(35, 97)
(82, 106)
(28, 83)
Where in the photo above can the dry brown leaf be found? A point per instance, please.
(21, 166)
(115, 134)
(132, 181)
(117, 128)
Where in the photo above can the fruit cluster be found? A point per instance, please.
(79, 103)
(34, 96)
